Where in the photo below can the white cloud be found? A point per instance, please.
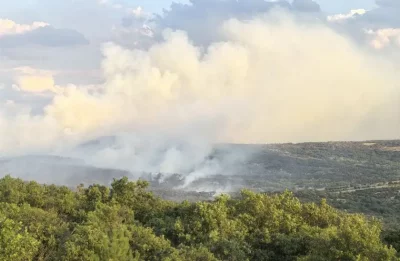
(9, 27)
(383, 38)
(139, 13)
(344, 17)
(33, 81)
(36, 83)
(136, 30)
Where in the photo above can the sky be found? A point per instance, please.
(170, 77)
(339, 6)
(158, 5)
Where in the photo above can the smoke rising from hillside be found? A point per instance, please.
(271, 80)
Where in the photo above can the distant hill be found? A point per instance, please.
(57, 170)
(272, 167)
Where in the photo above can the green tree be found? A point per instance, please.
(15, 241)
(127, 222)
(104, 236)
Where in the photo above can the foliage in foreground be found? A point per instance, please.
(126, 222)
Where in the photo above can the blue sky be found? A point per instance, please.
(331, 6)
(79, 13)
(100, 21)
(338, 6)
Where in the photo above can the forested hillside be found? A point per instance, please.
(127, 222)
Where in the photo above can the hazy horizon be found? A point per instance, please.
(169, 81)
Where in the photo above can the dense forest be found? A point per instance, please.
(127, 222)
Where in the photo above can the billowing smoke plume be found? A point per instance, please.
(270, 80)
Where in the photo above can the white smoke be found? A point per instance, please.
(269, 81)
